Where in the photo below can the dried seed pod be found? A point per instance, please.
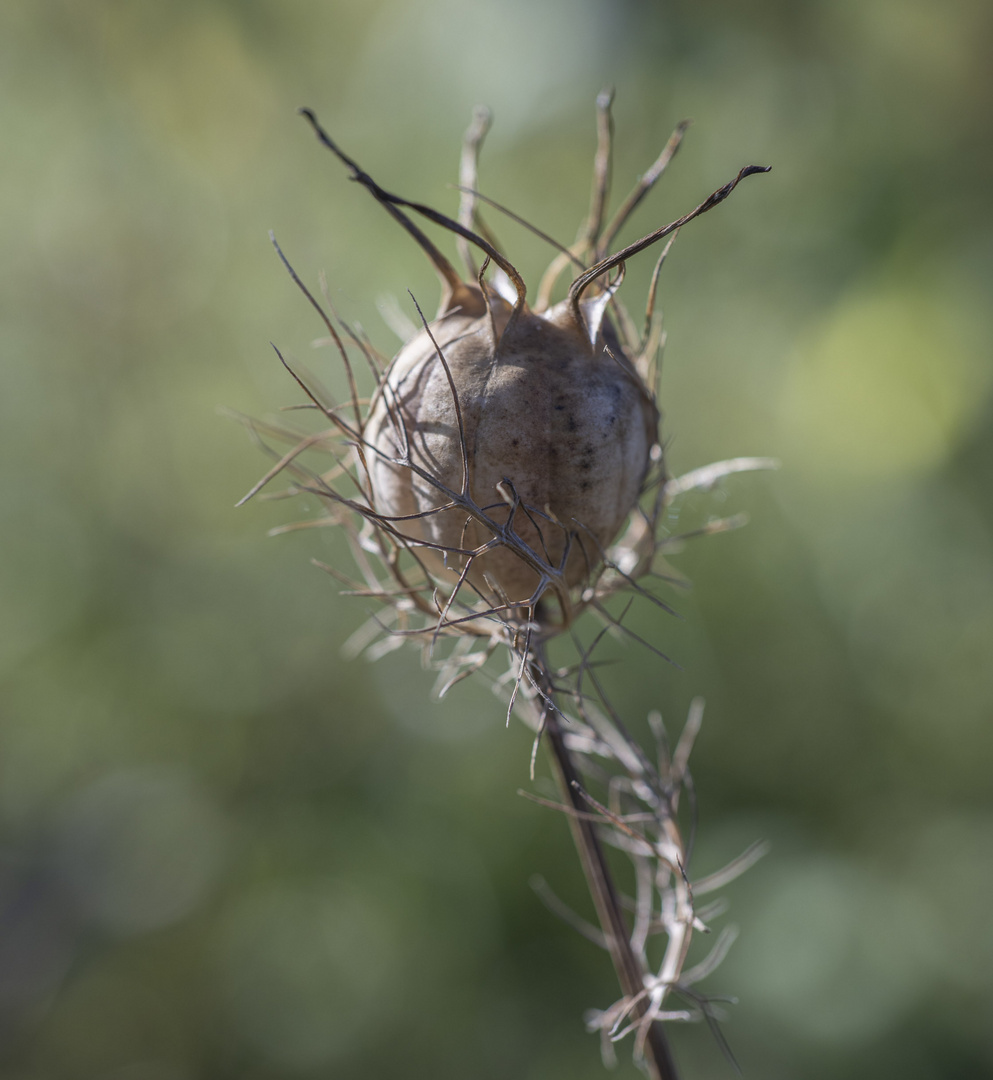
(555, 438)
(501, 453)
(505, 445)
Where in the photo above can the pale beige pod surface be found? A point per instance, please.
(564, 424)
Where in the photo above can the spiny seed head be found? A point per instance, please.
(506, 444)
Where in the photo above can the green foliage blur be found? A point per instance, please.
(225, 850)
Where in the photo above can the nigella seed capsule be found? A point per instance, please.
(504, 475)
(556, 432)
(506, 444)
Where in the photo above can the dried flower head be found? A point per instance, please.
(506, 444)
(506, 474)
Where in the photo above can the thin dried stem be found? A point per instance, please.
(630, 974)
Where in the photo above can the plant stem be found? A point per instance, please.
(658, 1054)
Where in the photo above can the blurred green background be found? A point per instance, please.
(228, 852)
